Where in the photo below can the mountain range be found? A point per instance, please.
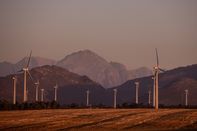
(73, 87)
(172, 86)
(85, 62)
(7, 68)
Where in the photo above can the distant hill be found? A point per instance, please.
(6, 68)
(138, 73)
(72, 87)
(85, 62)
(35, 62)
(172, 84)
(122, 70)
(95, 67)
(98, 69)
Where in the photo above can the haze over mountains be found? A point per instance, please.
(72, 87)
(172, 85)
(7, 68)
(85, 62)
(108, 74)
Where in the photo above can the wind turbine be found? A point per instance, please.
(87, 97)
(136, 92)
(156, 70)
(55, 88)
(42, 95)
(186, 98)
(14, 89)
(37, 85)
(26, 70)
(115, 98)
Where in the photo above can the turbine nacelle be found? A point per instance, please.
(25, 69)
(56, 86)
(155, 67)
(14, 78)
(186, 91)
(137, 84)
(37, 83)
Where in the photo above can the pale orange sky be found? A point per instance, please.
(125, 31)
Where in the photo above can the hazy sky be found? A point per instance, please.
(125, 31)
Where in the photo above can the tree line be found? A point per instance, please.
(5, 105)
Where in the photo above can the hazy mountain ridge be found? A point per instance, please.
(72, 87)
(88, 63)
(138, 73)
(85, 62)
(172, 84)
(122, 70)
(108, 74)
(6, 68)
(35, 62)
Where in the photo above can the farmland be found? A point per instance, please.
(99, 119)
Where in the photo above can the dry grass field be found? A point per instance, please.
(99, 119)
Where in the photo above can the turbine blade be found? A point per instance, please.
(13, 70)
(29, 60)
(20, 70)
(30, 76)
(16, 68)
(162, 70)
(157, 57)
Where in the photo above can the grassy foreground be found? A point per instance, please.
(101, 119)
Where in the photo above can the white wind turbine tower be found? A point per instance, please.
(55, 89)
(186, 97)
(37, 86)
(26, 70)
(156, 70)
(14, 89)
(87, 97)
(115, 97)
(153, 88)
(136, 92)
(149, 97)
(42, 95)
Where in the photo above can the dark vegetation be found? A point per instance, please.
(72, 89)
(5, 105)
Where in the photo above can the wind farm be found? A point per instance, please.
(98, 65)
(64, 97)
